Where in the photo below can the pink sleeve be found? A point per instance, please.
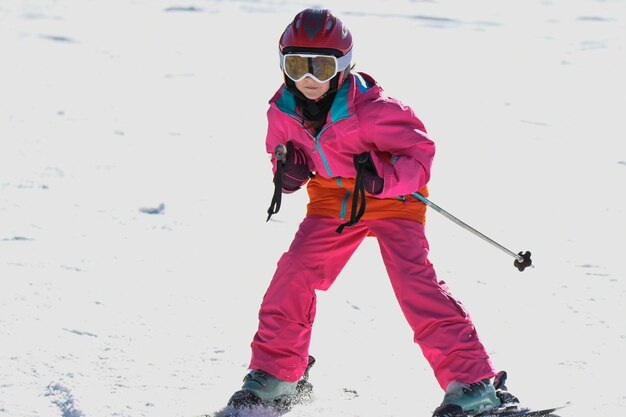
(403, 152)
(275, 135)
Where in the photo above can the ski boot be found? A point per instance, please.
(463, 400)
(262, 389)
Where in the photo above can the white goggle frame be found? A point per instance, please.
(341, 64)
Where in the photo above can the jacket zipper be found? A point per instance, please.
(318, 146)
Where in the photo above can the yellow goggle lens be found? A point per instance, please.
(321, 67)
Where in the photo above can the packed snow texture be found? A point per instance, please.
(134, 185)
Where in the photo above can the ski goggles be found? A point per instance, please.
(321, 68)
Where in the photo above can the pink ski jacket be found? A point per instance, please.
(360, 119)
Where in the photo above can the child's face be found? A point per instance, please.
(312, 89)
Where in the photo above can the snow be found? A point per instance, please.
(134, 185)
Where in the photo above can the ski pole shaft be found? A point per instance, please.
(522, 259)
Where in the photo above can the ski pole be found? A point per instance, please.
(522, 260)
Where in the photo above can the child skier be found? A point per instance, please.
(362, 156)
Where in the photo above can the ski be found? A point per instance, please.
(515, 410)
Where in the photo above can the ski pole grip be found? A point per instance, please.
(280, 152)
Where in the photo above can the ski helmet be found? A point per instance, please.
(318, 31)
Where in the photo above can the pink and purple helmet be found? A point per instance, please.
(318, 31)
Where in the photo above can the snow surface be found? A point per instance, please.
(134, 185)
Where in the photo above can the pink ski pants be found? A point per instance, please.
(441, 326)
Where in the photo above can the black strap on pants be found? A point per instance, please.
(357, 210)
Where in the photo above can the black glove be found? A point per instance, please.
(295, 169)
(372, 182)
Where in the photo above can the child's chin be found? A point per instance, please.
(312, 96)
